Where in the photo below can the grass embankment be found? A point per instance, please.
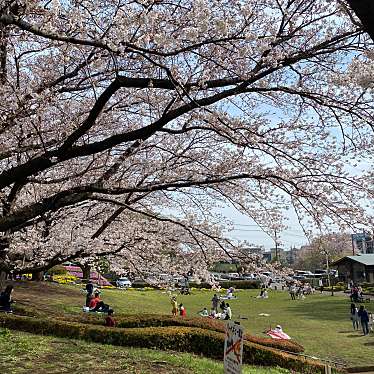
(320, 322)
(22, 353)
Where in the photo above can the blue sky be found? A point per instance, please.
(246, 229)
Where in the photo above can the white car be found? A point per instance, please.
(123, 282)
(233, 275)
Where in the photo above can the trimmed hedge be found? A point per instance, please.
(157, 320)
(239, 284)
(57, 270)
(184, 339)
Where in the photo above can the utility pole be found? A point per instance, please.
(353, 245)
(328, 273)
(276, 245)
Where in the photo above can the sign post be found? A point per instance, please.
(233, 353)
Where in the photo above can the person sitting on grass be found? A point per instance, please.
(94, 300)
(109, 320)
(204, 312)
(97, 305)
(263, 294)
(6, 299)
(230, 293)
(182, 310)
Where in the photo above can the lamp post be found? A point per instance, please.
(325, 252)
(328, 273)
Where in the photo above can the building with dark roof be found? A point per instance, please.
(358, 268)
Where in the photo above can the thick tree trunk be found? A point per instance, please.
(86, 270)
(3, 53)
(3, 275)
(364, 10)
(4, 244)
(37, 276)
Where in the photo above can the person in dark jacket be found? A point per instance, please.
(364, 317)
(215, 301)
(6, 299)
(222, 306)
(90, 290)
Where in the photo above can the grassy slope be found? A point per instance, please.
(22, 353)
(320, 322)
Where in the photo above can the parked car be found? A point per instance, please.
(267, 273)
(233, 276)
(278, 279)
(299, 277)
(123, 282)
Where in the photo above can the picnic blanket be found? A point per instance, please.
(275, 334)
(228, 298)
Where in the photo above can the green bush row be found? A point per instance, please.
(183, 339)
(57, 270)
(336, 288)
(158, 320)
(239, 284)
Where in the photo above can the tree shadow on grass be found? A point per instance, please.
(322, 309)
(355, 336)
(369, 344)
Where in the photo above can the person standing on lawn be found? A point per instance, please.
(320, 283)
(174, 306)
(222, 306)
(364, 317)
(215, 301)
(90, 290)
(371, 321)
(354, 316)
(228, 311)
(292, 291)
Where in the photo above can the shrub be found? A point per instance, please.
(184, 339)
(157, 320)
(239, 284)
(57, 270)
(336, 288)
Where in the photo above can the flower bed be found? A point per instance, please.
(64, 279)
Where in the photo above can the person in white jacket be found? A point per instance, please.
(228, 311)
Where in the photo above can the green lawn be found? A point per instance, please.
(22, 353)
(320, 322)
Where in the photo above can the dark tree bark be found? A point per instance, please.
(3, 53)
(364, 10)
(86, 270)
(37, 276)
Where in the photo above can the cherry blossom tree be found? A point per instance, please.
(126, 124)
(330, 246)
